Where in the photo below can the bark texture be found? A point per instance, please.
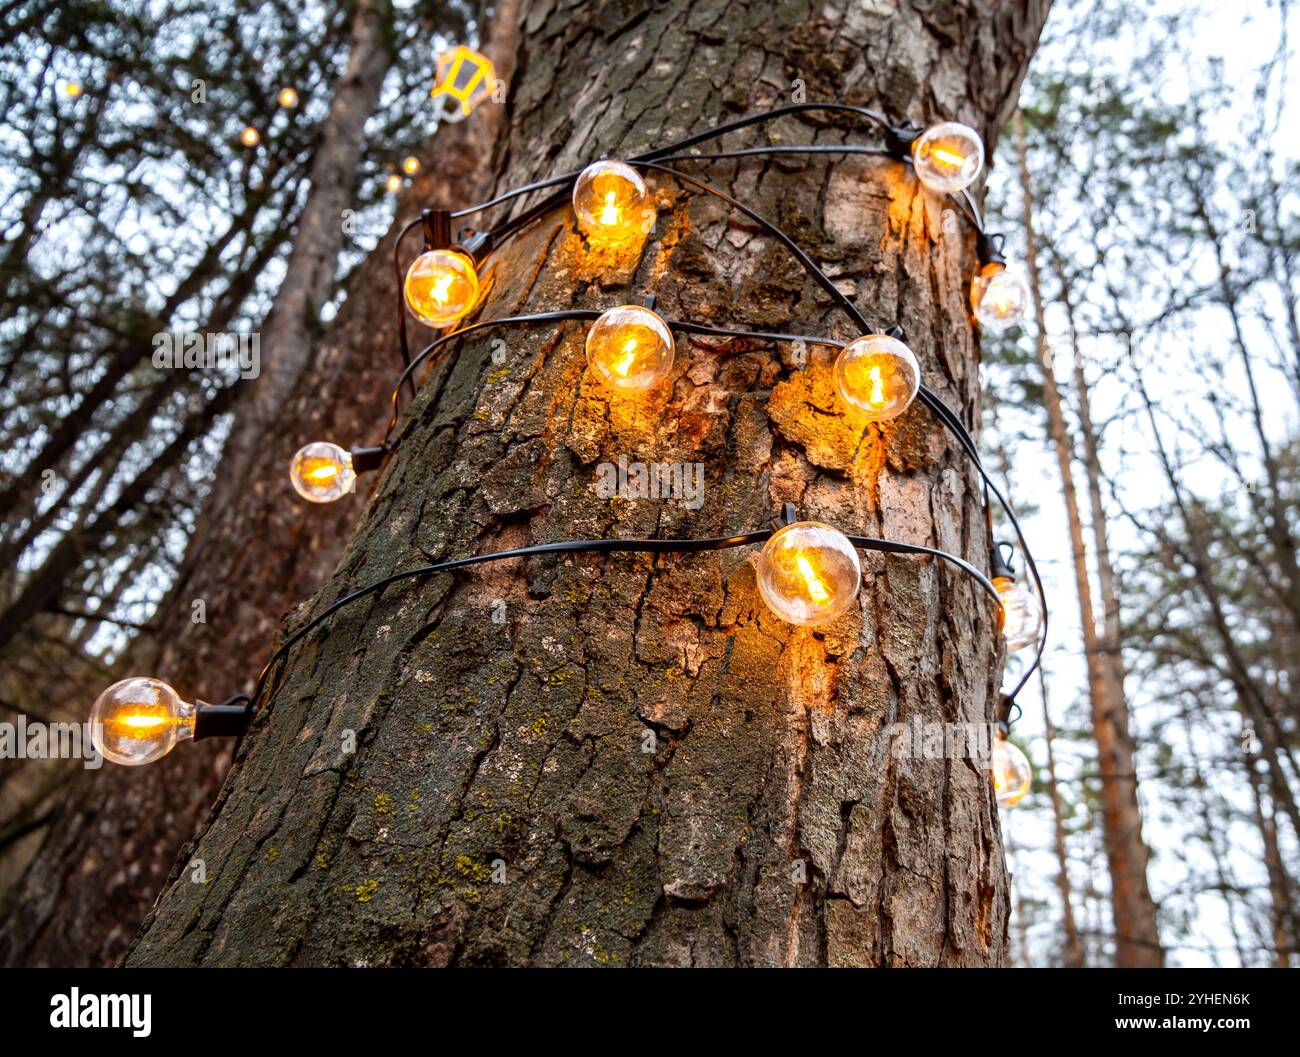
(639, 764)
(118, 830)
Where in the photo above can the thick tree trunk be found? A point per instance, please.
(1137, 939)
(657, 769)
(117, 832)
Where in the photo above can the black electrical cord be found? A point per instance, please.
(605, 546)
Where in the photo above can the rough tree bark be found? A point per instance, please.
(117, 831)
(660, 771)
(1137, 937)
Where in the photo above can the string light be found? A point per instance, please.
(441, 287)
(410, 165)
(464, 80)
(1021, 617)
(322, 472)
(288, 98)
(877, 376)
(630, 347)
(948, 156)
(999, 297)
(808, 573)
(139, 720)
(73, 89)
(250, 137)
(1012, 772)
(394, 183)
(611, 202)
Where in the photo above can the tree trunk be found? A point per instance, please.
(658, 770)
(80, 904)
(1137, 939)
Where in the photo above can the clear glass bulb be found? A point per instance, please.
(999, 297)
(1012, 773)
(288, 98)
(250, 137)
(877, 376)
(441, 287)
(140, 720)
(394, 183)
(948, 157)
(411, 165)
(322, 472)
(809, 573)
(630, 347)
(1022, 616)
(612, 203)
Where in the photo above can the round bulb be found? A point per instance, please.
(1022, 617)
(948, 157)
(999, 297)
(322, 472)
(611, 202)
(411, 165)
(808, 573)
(630, 347)
(877, 376)
(250, 137)
(394, 182)
(73, 89)
(139, 720)
(441, 287)
(288, 98)
(1012, 773)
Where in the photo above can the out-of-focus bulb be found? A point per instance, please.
(809, 573)
(250, 137)
(877, 376)
(322, 472)
(611, 202)
(1012, 773)
(630, 347)
(288, 98)
(394, 183)
(1022, 616)
(998, 296)
(411, 165)
(441, 287)
(948, 156)
(140, 720)
(73, 89)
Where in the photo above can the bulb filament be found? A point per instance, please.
(816, 589)
(949, 158)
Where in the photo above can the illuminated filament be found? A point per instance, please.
(629, 357)
(610, 214)
(949, 158)
(816, 589)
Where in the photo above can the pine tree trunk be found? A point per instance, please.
(117, 832)
(1137, 939)
(658, 770)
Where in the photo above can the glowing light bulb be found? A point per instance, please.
(1012, 773)
(948, 157)
(288, 98)
(411, 165)
(999, 297)
(394, 183)
(250, 137)
(612, 203)
(877, 377)
(140, 720)
(441, 287)
(322, 472)
(630, 347)
(809, 573)
(1022, 617)
(73, 89)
